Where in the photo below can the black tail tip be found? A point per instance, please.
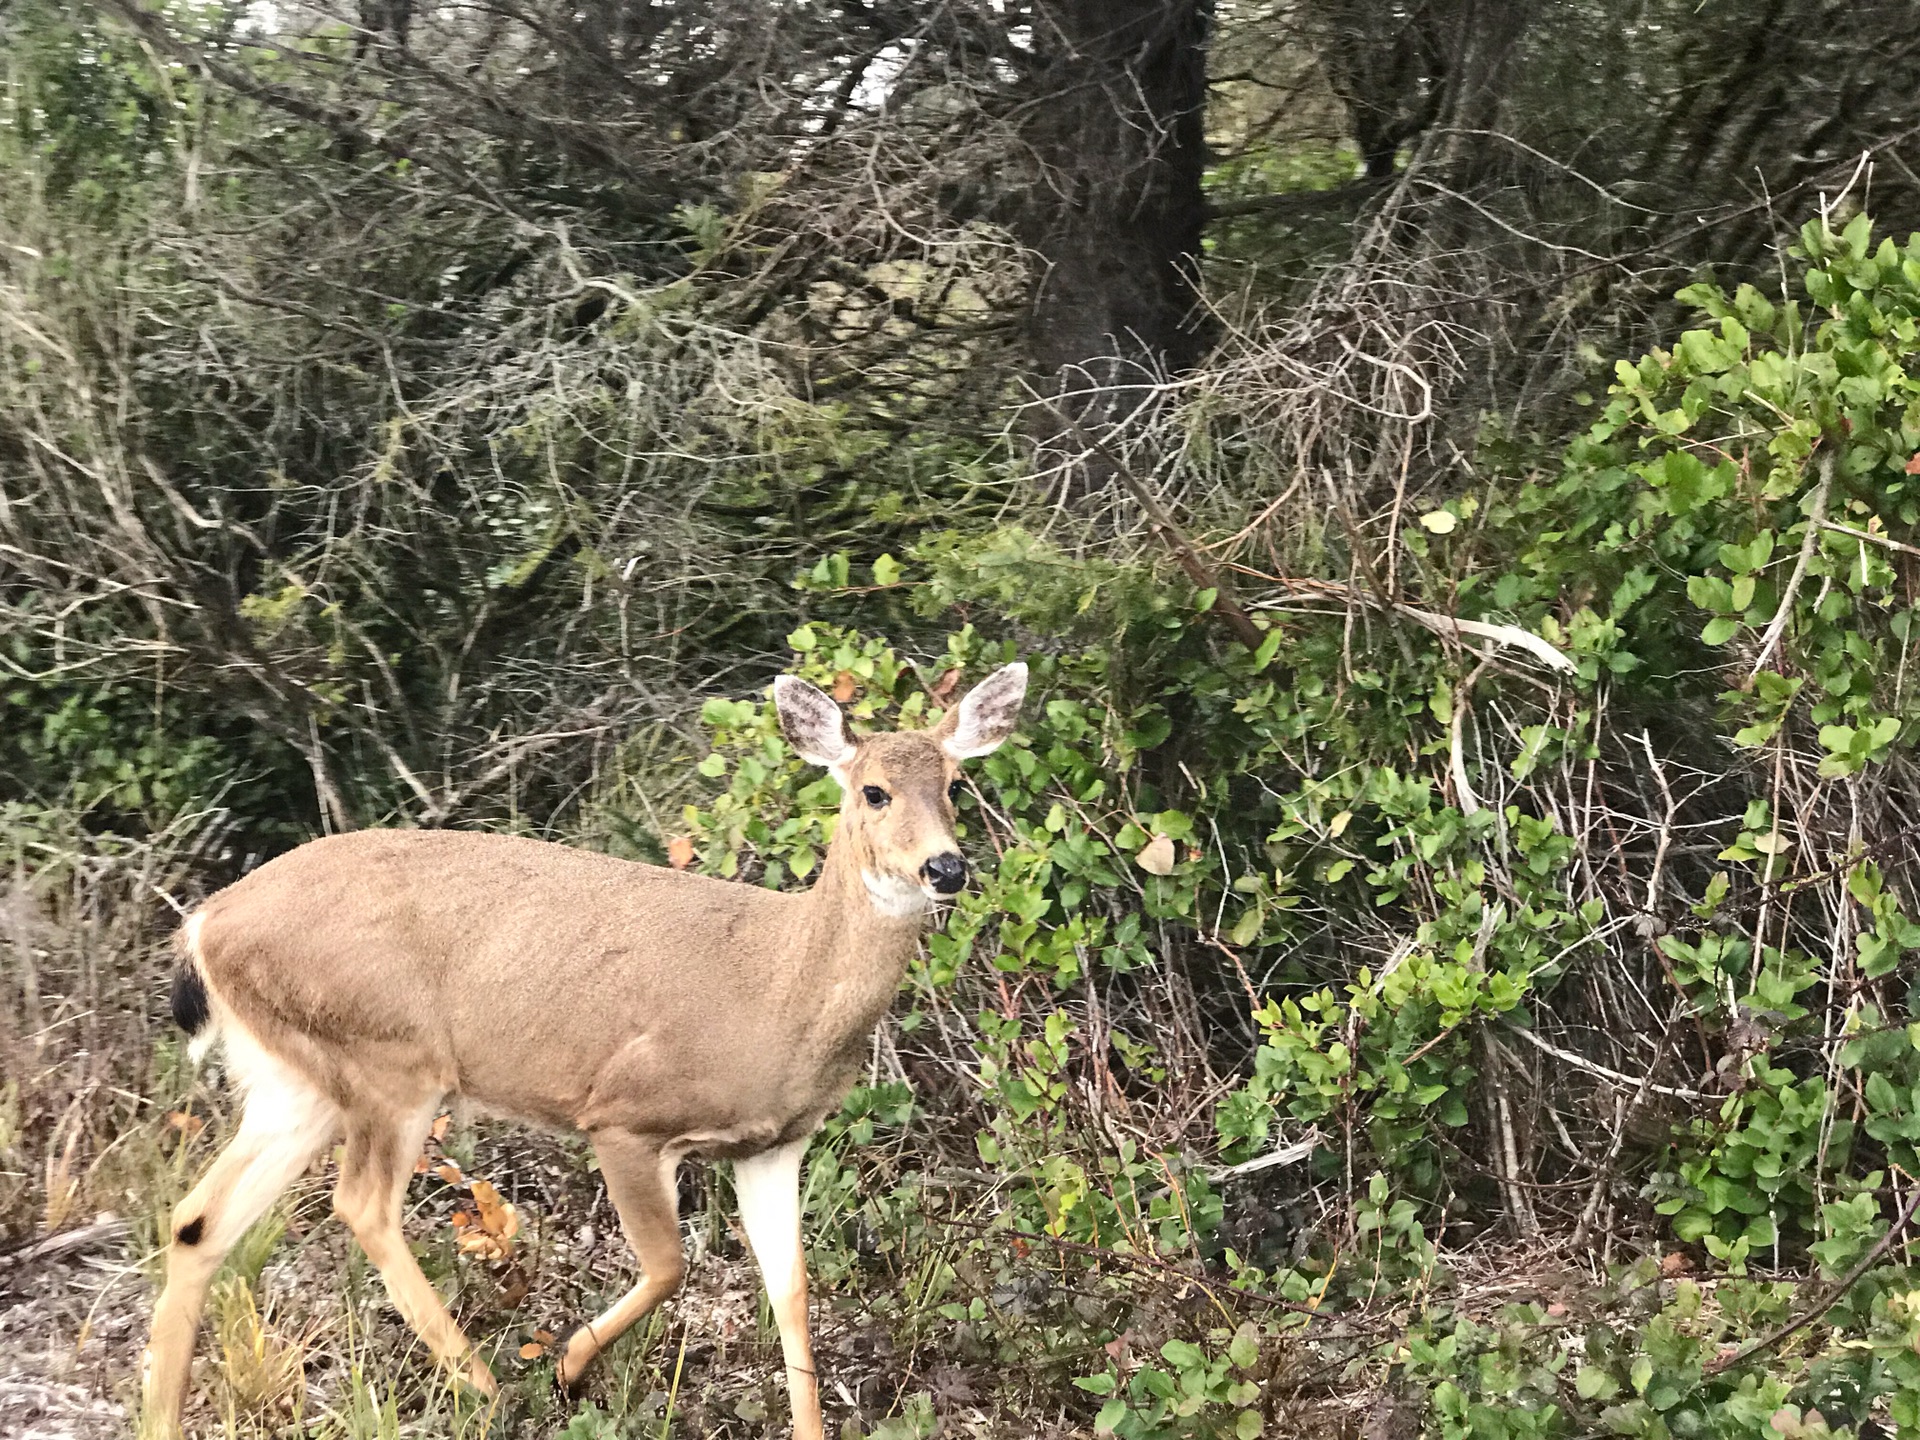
(190, 1010)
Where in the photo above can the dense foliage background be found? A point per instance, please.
(1442, 958)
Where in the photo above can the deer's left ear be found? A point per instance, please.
(986, 716)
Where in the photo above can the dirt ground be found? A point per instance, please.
(74, 1311)
(73, 1315)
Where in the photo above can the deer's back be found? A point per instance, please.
(522, 973)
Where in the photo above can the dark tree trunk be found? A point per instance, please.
(1117, 124)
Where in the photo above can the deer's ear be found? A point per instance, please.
(986, 717)
(812, 723)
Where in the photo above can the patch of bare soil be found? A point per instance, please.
(74, 1311)
(73, 1315)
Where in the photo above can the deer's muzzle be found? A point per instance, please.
(946, 873)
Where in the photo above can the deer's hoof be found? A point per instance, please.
(567, 1371)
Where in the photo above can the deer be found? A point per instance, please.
(362, 979)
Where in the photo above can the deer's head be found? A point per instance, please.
(896, 815)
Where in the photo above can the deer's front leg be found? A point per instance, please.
(768, 1186)
(639, 1174)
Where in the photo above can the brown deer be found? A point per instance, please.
(359, 980)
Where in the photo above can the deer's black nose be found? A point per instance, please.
(946, 873)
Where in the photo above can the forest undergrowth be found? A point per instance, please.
(1385, 1027)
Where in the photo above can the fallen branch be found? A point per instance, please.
(107, 1230)
(1580, 1062)
(1512, 636)
(1280, 1155)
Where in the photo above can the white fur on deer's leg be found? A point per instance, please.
(286, 1123)
(768, 1187)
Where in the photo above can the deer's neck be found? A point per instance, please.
(851, 923)
(852, 949)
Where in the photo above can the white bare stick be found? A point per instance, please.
(1816, 518)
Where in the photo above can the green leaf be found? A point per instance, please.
(1692, 1225)
(1247, 930)
(1269, 647)
(1182, 1354)
(1858, 235)
(1590, 1382)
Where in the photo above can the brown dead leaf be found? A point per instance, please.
(1675, 1263)
(943, 688)
(462, 1220)
(532, 1351)
(1157, 856)
(489, 1233)
(1117, 1347)
(514, 1288)
(441, 1124)
(680, 851)
(450, 1173)
(186, 1122)
(545, 1337)
(422, 1165)
(1913, 465)
(951, 1386)
(486, 1200)
(844, 686)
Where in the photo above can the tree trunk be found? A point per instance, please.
(1117, 125)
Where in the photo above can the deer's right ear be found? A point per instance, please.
(812, 723)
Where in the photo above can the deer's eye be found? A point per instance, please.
(953, 791)
(875, 796)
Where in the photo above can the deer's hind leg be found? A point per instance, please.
(382, 1143)
(285, 1124)
(640, 1181)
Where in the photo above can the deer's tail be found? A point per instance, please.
(191, 1010)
